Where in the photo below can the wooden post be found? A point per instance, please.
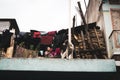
(70, 45)
(86, 25)
(69, 29)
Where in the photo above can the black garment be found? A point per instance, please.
(5, 40)
(63, 48)
(59, 40)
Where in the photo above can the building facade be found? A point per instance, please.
(106, 13)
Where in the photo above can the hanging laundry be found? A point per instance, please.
(46, 40)
(36, 35)
(52, 33)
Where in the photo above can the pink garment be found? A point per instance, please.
(52, 53)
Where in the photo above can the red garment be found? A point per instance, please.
(46, 40)
(52, 33)
(57, 51)
(36, 35)
(52, 53)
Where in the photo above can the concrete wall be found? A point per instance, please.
(92, 14)
(48, 64)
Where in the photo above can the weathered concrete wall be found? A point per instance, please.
(93, 11)
(47, 64)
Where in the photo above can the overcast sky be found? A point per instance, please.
(42, 15)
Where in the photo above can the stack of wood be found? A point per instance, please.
(88, 39)
(82, 45)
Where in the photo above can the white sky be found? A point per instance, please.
(42, 15)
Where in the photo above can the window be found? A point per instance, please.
(115, 15)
